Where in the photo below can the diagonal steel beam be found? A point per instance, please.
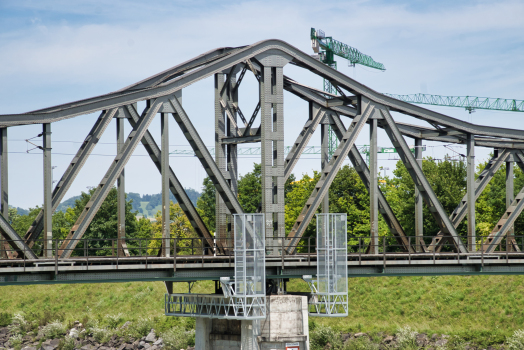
(71, 172)
(118, 164)
(425, 190)
(480, 184)
(14, 240)
(205, 158)
(363, 172)
(175, 186)
(505, 224)
(301, 142)
(328, 175)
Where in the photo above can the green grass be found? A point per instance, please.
(481, 308)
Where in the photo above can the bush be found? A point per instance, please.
(19, 324)
(5, 319)
(321, 336)
(52, 330)
(67, 343)
(101, 334)
(141, 327)
(406, 338)
(178, 338)
(516, 341)
(362, 343)
(16, 341)
(112, 321)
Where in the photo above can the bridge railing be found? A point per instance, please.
(200, 247)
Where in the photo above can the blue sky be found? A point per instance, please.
(58, 51)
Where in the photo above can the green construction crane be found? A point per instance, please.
(327, 48)
(470, 103)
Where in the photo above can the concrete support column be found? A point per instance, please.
(164, 163)
(471, 192)
(373, 186)
(272, 115)
(203, 328)
(121, 191)
(510, 197)
(221, 211)
(4, 189)
(48, 183)
(419, 214)
(324, 160)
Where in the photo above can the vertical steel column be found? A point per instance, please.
(4, 189)
(231, 131)
(324, 159)
(471, 192)
(373, 186)
(164, 163)
(121, 190)
(510, 197)
(419, 214)
(221, 210)
(272, 124)
(48, 183)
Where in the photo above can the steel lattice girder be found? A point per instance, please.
(14, 240)
(109, 179)
(175, 186)
(505, 223)
(427, 193)
(205, 158)
(164, 87)
(480, 184)
(301, 142)
(328, 175)
(363, 171)
(72, 171)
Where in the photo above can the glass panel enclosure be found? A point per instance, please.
(250, 272)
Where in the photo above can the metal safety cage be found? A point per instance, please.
(329, 296)
(244, 297)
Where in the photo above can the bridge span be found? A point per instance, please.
(204, 264)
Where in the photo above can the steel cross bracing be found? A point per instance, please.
(266, 60)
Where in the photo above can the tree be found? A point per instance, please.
(296, 199)
(491, 204)
(447, 179)
(206, 204)
(180, 228)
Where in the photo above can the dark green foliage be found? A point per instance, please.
(206, 204)
(5, 319)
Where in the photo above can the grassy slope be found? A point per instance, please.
(488, 307)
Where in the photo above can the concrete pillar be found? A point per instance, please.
(121, 191)
(373, 186)
(419, 214)
(510, 197)
(48, 183)
(272, 114)
(286, 322)
(202, 333)
(4, 189)
(324, 160)
(164, 164)
(472, 246)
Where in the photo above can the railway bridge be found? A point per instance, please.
(38, 257)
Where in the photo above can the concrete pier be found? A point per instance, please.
(286, 324)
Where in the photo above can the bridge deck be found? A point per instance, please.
(194, 268)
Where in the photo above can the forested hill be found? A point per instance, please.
(146, 204)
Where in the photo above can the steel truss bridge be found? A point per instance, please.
(38, 257)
